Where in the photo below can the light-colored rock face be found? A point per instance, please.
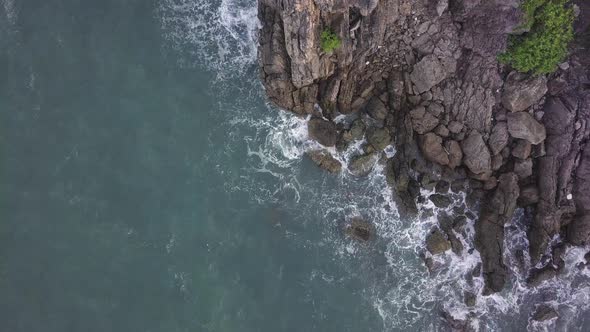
(431, 146)
(523, 125)
(499, 137)
(521, 93)
(476, 155)
(430, 71)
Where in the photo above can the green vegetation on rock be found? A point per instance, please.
(330, 41)
(545, 45)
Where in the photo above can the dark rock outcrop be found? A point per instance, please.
(325, 160)
(496, 211)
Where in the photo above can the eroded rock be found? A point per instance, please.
(523, 125)
(521, 92)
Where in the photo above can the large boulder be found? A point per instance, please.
(521, 93)
(376, 109)
(544, 312)
(476, 155)
(496, 210)
(432, 148)
(363, 164)
(360, 230)
(430, 71)
(455, 153)
(436, 242)
(322, 131)
(379, 138)
(499, 137)
(325, 160)
(523, 125)
(422, 121)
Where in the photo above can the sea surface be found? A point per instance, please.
(147, 185)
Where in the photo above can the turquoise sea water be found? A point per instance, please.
(147, 186)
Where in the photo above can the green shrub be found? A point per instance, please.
(330, 41)
(545, 46)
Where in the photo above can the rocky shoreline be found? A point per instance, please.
(424, 77)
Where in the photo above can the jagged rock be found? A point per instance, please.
(357, 129)
(528, 195)
(441, 130)
(538, 276)
(363, 164)
(455, 127)
(436, 109)
(522, 149)
(495, 212)
(544, 312)
(470, 299)
(322, 131)
(455, 153)
(578, 232)
(431, 146)
(497, 162)
(499, 137)
(430, 71)
(440, 201)
(379, 138)
(523, 168)
(360, 230)
(442, 187)
(476, 155)
(436, 242)
(521, 93)
(423, 121)
(376, 109)
(325, 160)
(523, 125)
(490, 183)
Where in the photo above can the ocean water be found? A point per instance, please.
(148, 186)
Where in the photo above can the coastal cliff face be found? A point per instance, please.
(424, 76)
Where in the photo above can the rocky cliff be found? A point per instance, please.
(424, 75)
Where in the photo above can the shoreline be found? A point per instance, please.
(425, 78)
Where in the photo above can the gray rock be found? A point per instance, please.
(544, 312)
(423, 121)
(523, 125)
(440, 201)
(322, 131)
(528, 195)
(357, 129)
(521, 93)
(379, 138)
(523, 168)
(495, 212)
(363, 164)
(476, 155)
(360, 230)
(430, 71)
(522, 149)
(441, 130)
(499, 137)
(436, 242)
(431, 147)
(454, 152)
(455, 127)
(325, 160)
(376, 109)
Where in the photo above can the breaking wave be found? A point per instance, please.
(220, 36)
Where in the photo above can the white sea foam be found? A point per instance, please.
(220, 35)
(10, 11)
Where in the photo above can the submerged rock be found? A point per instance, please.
(363, 164)
(322, 131)
(436, 242)
(325, 160)
(360, 230)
